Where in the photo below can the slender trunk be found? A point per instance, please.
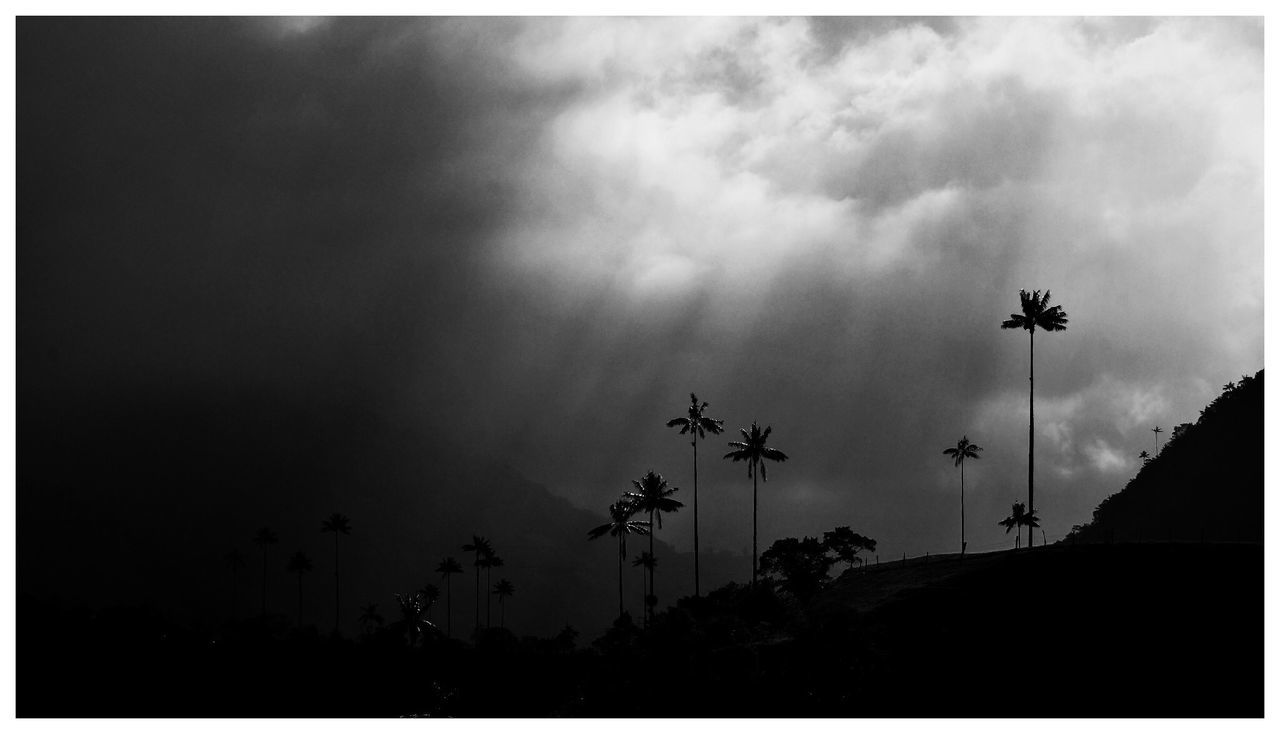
(299, 601)
(697, 586)
(653, 565)
(337, 586)
(235, 587)
(754, 512)
(622, 553)
(488, 598)
(477, 591)
(502, 613)
(264, 582)
(962, 543)
(448, 602)
(1031, 437)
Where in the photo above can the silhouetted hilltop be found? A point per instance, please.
(1204, 484)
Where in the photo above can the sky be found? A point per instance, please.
(535, 237)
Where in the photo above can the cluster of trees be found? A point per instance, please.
(801, 566)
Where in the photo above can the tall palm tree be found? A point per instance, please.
(265, 538)
(963, 450)
(482, 548)
(620, 525)
(502, 590)
(299, 564)
(652, 496)
(338, 524)
(447, 568)
(1036, 312)
(648, 562)
(697, 426)
(754, 450)
(235, 562)
(490, 562)
(1157, 430)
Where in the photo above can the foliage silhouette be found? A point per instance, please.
(1157, 431)
(481, 547)
(754, 450)
(489, 562)
(338, 524)
(430, 595)
(846, 544)
(652, 496)
(502, 590)
(620, 525)
(1036, 313)
(647, 561)
(265, 538)
(697, 425)
(961, 451)
(447, 568)
(802, 565)
(413, 623)
(300, 564)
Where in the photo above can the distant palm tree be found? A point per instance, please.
(963, 450)
(1016, 519)
(648, 562)
(430, 595)
(1145, 457)
(698, 426)
(369, 616)
(482, 548)
(1036, 312)
(338, 524)
(502, 590)
(620, 525)
(447, 568)
(299, 564)
(235, 562)
(489, 562)
(265, 538)
(754, 451)
(413, 616)
(652, 496)
(1157, 430)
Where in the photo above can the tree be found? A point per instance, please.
(1145, 457)
(430, 594)
(648, 562)
(299, 563)
(413, 616)
(1019, 518)
(697, 426)
(753, 450)
(620, 525)
(652, 496)
(1036, 312)
(1157, 431)
(802, 565)
(482, 548)
(489, 562)
(963, 450)
(235, 562)
(447, 568)
(338, 524)
(846, 544)
(265, 538)
(502, 590)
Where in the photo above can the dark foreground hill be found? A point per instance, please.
(1097, 630)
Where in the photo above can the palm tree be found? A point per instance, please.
(502, 590)
(265, 538)
(369, 616)
(652, 496)
(753, 450)
(648, 562)
(430, 595)
(1036, 312)
(413, 615)
(1157, 430)
(1145, 457)
(697, 426)
(482, 548)
(963, 450)
(446, 569)
(235, 562)
(490, 562)
(299, 564)
(620, 525)
(338, 524)
(1019, 518)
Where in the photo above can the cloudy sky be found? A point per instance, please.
(537, 236)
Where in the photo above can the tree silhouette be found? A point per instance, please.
(430, 595)
(489, 562)
(1016, 519)
(413, 616)
(648, 562)
(235, 562)
(753, 450)
(1157, 431)
(1145, 457)
(369, 616)
(447, 568)
(265, 538)
(652, 496)
(801, 564)
(299, 564)
(482, 548)
(846, 544)
(620, 525)
(502, 590)
(338, 524)
(698, 426)
(962, 450)
(1036, 312)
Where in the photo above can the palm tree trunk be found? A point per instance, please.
(448, 602)
(648, 600)
(697, 587)
(502, 613)
(622, 553)
(755, 506)
(962, 543)
(299, 600)
(488, 598)
(337, 587)
(477, 591)
(1031, 436)
(264, 582)
(235, 588)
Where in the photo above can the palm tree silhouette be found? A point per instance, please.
(266, 537)
(963, 450)
(1157, 430)
(430, 595)
(369, 616)
(652, 496)
(502, 590)
(413, 612)
(482, 548)
(490, 562)
(447, 568)
(1036, 312)
(338, 524)
(648, 562)
(235, 562)
(698, 426)
(299, 564)
(1145, 457)
(620, 525)
(754, 451)
(1020, 518)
